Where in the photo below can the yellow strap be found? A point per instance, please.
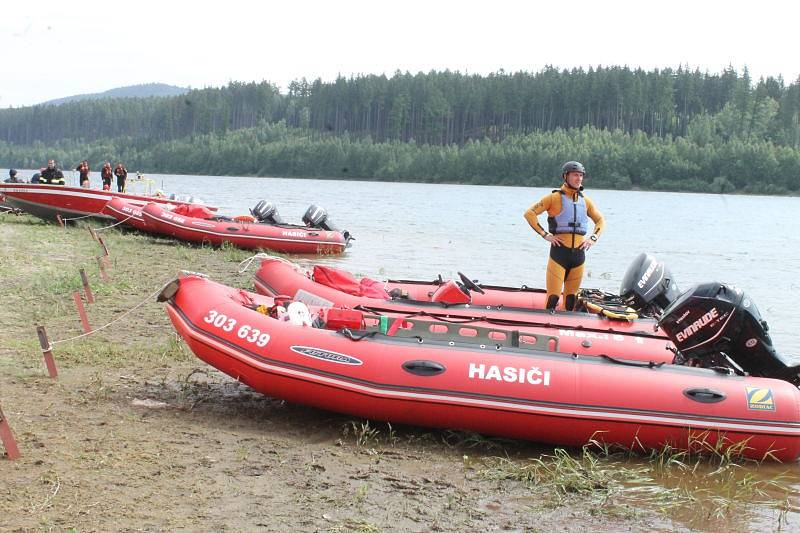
(616, 315)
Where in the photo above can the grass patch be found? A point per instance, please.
(697, 487)
(366, 435)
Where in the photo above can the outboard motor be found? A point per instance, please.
(317, 217)
(648, 286)
(266, 212)
(713, 319)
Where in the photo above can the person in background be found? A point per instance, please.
(12, 177)
(52, 174)
(106, 174)
(83, 170)
(122, 174)
(568, 214)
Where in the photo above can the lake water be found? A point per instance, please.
(409, 230)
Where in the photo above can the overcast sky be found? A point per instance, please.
(54, 49)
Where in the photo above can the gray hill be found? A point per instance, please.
(132, 91)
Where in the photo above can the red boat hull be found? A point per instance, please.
(283, 238)
(51, 201)
(512, 392)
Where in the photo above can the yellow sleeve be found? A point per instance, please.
(533, 212)
(596, 216)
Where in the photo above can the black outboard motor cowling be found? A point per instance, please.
(317, 217)
(648, 285)
(266, 212)
(713, 318)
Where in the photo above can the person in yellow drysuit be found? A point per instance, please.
(568, 214)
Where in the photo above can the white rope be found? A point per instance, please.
(65, 220)
(244, 265)
(113, 225)
(123, 315)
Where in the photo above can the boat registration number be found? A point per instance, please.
(245, 332)
(172, 216)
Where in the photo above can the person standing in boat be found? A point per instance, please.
(52, 174)
(106, 174)
(83, 171)
(122, 175)
(568, 214)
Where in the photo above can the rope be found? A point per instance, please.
(123, 315)
(249, 260)
(65, 220)
(113, 225)
(355, 338)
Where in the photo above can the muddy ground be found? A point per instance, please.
(138, 435)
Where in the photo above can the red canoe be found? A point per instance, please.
(277, 276)
(494, 388)
(285, 238)
(51, 201)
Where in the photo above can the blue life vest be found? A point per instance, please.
(572, 218)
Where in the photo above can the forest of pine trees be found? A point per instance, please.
(661, 129)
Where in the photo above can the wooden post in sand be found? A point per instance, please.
(101, 264)
(103, 244)
(81, 311)
(92, 233)
(8, 438)
(102, 260)
(49, 360)
(86, 288)
(60, 221)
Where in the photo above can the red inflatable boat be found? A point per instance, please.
(497, 387)
(51, 201)
(126, 213)
(575, 333)
(285, 238)
(276, 276)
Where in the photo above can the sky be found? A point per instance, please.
(55, 49)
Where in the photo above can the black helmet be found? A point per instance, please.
(572, 166)
(12, 172)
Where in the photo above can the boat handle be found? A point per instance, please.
(704, 395)
(422, 367)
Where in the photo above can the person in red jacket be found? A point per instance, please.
(106, 173)
(122, 174)
(83, 170)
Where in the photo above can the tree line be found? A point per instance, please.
(615, 159)
(439, 108)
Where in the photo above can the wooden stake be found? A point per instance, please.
(101, 263)
(81, 311)
(49, 360)
(92, 233)
(8, 438)
(60, 221)
(103, 244)
(86, 288)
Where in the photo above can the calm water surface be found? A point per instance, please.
(418, 231)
